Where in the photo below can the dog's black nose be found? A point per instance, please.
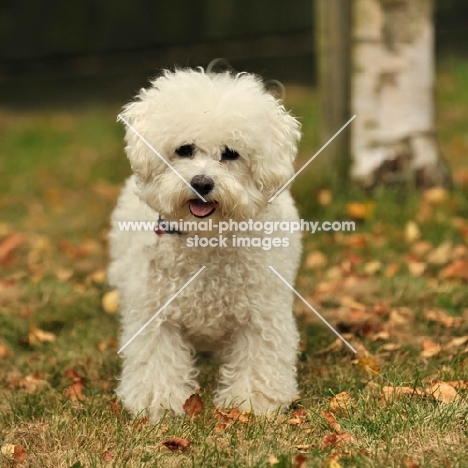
(202, 184)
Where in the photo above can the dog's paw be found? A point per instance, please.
(152, 403)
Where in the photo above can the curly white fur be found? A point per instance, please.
(236, 306)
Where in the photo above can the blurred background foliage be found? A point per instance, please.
(93, 50)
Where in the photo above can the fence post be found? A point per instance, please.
(333, 39)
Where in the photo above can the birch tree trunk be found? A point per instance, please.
(393, 138)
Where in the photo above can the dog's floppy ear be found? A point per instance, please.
(276, 167)
(136, 114)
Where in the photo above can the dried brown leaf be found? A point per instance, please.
(436, 196)
(108, 457)
(316, 260)
(272, 460)
(32, 383)
(430, 349)
(441, 254)
(5, 351)
(410, 463)
(412, 232)
(14, 452)
(331, 420)
(417, 268)
(37, 336)
(193, 405)
(443, 392)
(75, 391)
(455, 270)
(340, 404)
(334, 440)
(437, 315)
(9, 244)
(177, 444)
(300, 461)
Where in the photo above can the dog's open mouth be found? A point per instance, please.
(201, 209)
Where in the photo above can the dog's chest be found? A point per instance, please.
(220, 299)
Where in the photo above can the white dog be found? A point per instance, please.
(234, 144)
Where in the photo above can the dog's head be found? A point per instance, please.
(221, 135)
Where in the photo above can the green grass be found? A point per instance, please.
(61, 172)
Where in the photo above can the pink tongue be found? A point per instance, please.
(200, 208)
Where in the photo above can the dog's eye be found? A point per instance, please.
(185, 151)
(229, 154)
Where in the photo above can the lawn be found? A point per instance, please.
(396, 288)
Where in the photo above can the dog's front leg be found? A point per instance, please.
(158, 372)
(259, 370)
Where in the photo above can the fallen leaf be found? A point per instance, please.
(455, 343)
(437, 315)
(9, 244)
(367, 364)
(430, 349)
(116, 409)
(300, 461)
(421, 248)
(410, 463)
(360, 211)
(232, 415)
(98, 277)
(416, 268)
(63, 274)
(334, 346)
(443, 392)
(332, 463)
(440, 254)
(108, 457)
(436, 196)
(458, 384)
(37, 336)
(272, 460)
(392, 270)
(371, 268)
(397, 392)
(333, 440)
(32, 383)
(14, 452)
(456, 270)
(331, 420)
(298, 417)
(5, 351)
(348, 301)
(75, 391)
(381, 335)
(110, 302)
(177, 444)
(412, 232)
(193, 405)
(340, 404)
(316, 260)
(391, 347)
(324, 197)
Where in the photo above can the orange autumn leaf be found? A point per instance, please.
(14, 452)
(9, 244)
(193, 405)
(331, 420)
(75, 391)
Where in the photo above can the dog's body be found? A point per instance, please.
(235, 144)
